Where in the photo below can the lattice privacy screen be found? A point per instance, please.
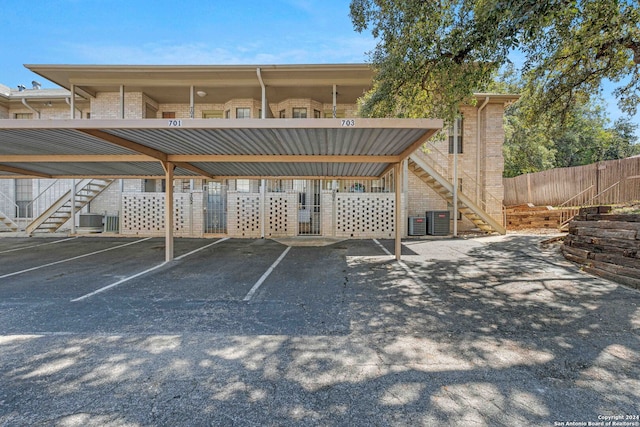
(244, 214)
(280, 214)
(365, 215)
(143, 213)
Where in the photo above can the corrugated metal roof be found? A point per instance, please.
(54, 141)
(315, 147)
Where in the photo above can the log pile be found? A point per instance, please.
(606, 245)
(529, 216)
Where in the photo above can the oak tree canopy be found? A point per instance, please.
(432, 55)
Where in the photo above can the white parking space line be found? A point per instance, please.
(71, 259)
(410, 272)
(35, 246)
(265, 275)
(199, 249)
(126, 279)
(119, 282)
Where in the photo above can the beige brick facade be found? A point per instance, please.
(341, 214)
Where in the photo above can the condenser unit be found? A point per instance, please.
(417, 226)
(90, 223)
(438, 223)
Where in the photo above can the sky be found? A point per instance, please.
(180, 32)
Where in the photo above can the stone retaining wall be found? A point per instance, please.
(606, 245)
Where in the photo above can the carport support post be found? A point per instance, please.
(397, 171)
(168, 211)
(73, 206)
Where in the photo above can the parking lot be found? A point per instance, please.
(496, 330)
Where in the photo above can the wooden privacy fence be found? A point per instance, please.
(611, 181)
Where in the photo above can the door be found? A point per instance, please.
(308, 206)
(216, 209)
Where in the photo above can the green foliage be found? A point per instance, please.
(432, 56)
(581, 136)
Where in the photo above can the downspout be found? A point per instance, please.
(192, 106)
(335, 100)
(455, 176)
(264, 94)
(26, 104)
(122, 101)
(484, 104)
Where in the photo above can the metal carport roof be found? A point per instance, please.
(209, 148)
(217, 148)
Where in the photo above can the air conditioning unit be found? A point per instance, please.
(417, 226)
(90, 223)
(438, 223)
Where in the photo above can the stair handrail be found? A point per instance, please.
(496, 224)
(487, 198)
(10, 203)
(566, 203)
(571, 207)
(600, 194)
(66, 197)
(441, 159)
(438, 160)
(47, 196)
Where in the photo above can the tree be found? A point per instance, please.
(583, 136)
(432, 55)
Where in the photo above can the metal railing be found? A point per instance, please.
(571, 207)
(8, 206)
(609, 195)
(47, 197)
(484, 199)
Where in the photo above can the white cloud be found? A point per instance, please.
(332, 50)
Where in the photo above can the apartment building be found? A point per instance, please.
(239, 151)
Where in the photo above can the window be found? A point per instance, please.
(23, 116)
(243, 113)
(212, 114)
(299, 113)
(24, 197)
(460, 122)
(283, 114)
(182, 185)
(168, 114)
(227, 114)
(243, 185)
(316, 114)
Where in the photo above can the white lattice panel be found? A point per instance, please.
(143, 213)
(244, 215)
(365, 215)
(281, 214)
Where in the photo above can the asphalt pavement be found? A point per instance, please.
(482, 331)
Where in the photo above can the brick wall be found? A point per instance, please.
(106, 105)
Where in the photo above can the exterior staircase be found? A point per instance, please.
(60, 211)
(435, 179)
(8, 223)
(7, 205)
